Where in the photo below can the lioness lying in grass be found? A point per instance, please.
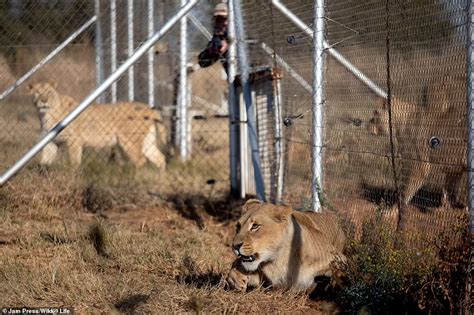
(284, 247)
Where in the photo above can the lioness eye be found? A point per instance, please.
(255, 227)
(237, 227)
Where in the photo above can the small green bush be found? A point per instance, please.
(385, 275)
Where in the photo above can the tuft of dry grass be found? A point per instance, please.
(145, 259)
(96, 199)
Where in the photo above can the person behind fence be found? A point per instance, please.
(217, 47)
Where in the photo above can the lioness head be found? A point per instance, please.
(44, 94)
(259, 233)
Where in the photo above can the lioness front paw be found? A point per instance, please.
(237, 280)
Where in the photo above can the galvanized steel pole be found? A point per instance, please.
(151, 28)
(279, 159)
(131, 74)
(113, 46)
(233, 118)
(98, 91)
(99, 51)
(183, 85)
(249, 104)
(317, 104)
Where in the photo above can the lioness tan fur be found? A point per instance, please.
(286, 248)
(133, 126)
(422, 164)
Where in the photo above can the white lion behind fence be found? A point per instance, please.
(133, 126)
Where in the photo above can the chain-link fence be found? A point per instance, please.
(271, 32)
(407, 150)
(132, 136)
(394, 132)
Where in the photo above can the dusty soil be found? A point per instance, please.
(166, 257)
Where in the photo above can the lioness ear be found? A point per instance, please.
(54, 84)
(29, 87)
(281, 213)
(249, 204)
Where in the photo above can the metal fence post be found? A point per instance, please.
(279, 160)
(151, 83)
(113, 46)
(243, 147)
(99, 50)
(334, 53)
(470, 135)
(54, 132)
(233, 126)
(250, 108)
(189, 120)
(131, 74)
(317, 104)
(182, 96)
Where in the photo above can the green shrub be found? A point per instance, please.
(385, 275)
(443, 291)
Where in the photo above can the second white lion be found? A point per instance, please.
(133, 126)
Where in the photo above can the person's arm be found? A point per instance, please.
(216, 48)
(206, 58)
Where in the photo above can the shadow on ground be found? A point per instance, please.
(129, 304)
(423, 199)
(192, 275)
(201, 280)
(196, 207)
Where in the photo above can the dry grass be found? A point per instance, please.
(111, 168)
(104, 240)
(121, 260)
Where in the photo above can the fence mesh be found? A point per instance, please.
(280, 44)
(123, 145)
(412, 146)
(399, 154)
(405, 155)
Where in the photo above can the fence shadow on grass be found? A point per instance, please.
(196, 207)
(192, 275)
(201, 280)
(129, 304)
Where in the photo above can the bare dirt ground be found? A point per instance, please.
(167, 257)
